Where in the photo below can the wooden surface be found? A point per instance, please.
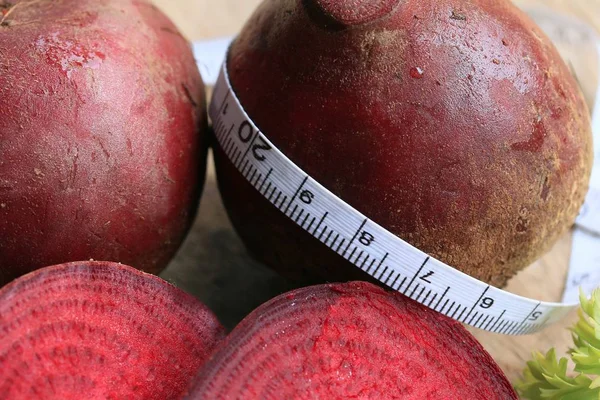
(214, 266)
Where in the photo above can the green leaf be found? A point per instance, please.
(547, 378)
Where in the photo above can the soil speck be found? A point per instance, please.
(457, 15)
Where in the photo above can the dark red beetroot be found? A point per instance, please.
(454, 124)
(102, 110)
(349, 341)
(98, 330)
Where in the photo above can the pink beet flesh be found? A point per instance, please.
(349, 341)
(101, 331)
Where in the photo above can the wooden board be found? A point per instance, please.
(214, 266)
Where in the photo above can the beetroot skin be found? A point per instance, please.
(102, 110)
(98, 330)
(347, 341)
(452, 123)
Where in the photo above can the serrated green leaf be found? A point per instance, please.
(547, 378)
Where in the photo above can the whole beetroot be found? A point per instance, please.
(453, 124)
(96, 330)
(102, 110)
(349, 341)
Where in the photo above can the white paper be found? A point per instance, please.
(210, 55)
(584, 271)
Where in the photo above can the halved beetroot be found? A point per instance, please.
(355, 340)
(98, 330)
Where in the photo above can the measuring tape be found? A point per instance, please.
(362, 242)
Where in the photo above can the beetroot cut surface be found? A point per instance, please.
(347, 341)
(99, 330)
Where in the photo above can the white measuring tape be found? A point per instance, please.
(361, 241)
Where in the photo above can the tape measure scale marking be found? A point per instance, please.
(361, 241)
